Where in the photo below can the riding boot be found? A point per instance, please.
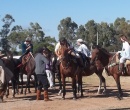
(46, 98)
(121, 69)
(38, 94)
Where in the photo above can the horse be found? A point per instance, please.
(68, 68)
(104, 59)
(11, 63)
(28, 68)
(88, 70)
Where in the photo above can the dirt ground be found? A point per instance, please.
(90, 101)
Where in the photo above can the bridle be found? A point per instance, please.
(61, 61)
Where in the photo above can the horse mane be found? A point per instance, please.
(103, 50)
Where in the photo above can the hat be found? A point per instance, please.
(80, 40)
(28, 39)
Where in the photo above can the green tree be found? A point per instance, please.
(67, 28)
(8, 20)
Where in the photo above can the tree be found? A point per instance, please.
(36, 31)
(67, 28)
(8, 20)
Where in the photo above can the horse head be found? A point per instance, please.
(100, 56)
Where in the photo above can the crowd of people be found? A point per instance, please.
(43, 61)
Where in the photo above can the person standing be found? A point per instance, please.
(124, 53)
(41, 62)
(47, 54)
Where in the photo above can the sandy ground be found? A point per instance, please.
(90, 101)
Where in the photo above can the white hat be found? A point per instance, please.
(28, 39)
(80, 40)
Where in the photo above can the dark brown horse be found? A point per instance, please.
(70, 68)
(102, 58)
(28, 68)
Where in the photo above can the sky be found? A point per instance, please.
(49, 13)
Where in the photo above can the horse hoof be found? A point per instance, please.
(63, 98)
(120, 98)
(6, 96)
(1, 100)
(74, 98)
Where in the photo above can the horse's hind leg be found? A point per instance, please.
(36, 82)
(7, 91)
(117, 79)
(74, 87)
(21, 77)
(27, 85)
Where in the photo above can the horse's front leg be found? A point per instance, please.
(60, 84)
(102, 81)
(64, 90)
(117, 79)
(74, 88)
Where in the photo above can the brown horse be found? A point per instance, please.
(28, 68)
(104, 59)
(70, 68)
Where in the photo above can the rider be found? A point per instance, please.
(124, 53)
(63, 41)
(47, 54)
(29, 49)
(83, 49)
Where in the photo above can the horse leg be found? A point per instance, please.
(36, 82)
(60, 84)
(27, 85)
(7, 90)
(17, 84)
(74, 88)
(64, 90)
(102, 81)
(13, 81)
(21, 77)
(117, 79)
(79, 85)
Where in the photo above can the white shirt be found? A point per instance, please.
(84, 49)
(57, 46)
(125, 50)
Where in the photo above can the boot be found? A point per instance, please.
(121, 69)
(46, 98)
(38, 95)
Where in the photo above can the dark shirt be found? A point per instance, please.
(23, 47)
(31, 49)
